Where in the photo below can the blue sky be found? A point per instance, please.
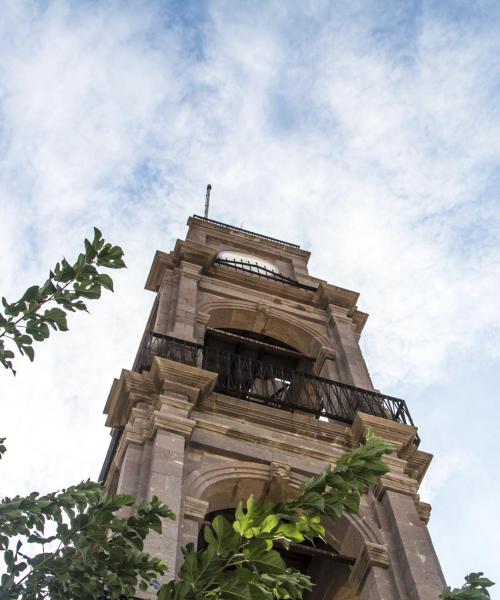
(368, 132)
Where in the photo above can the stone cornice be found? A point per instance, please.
(171, 376)
(372, 555)
(125, 392)
(173, 423)
(247, 239)
(297, 422)
(331, 294)
(417, 462)
(391, 482)
(185, 251)
(161, 261)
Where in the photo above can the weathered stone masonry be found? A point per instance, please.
(177, 436)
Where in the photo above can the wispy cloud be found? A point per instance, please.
(369, 134)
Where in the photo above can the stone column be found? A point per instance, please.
(166, 299)
(128, 482)
(179, 387)
(412, 552)
(414, 564)
(351, 363)
(184, 317)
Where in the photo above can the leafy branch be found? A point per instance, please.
(474, 588)
(98, 554)
(23, 322)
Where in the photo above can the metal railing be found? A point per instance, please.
(261, 271)
(274, 385)
(239, 229)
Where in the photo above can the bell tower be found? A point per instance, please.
(249, 379)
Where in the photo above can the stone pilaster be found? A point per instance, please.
(350, 361)
(185, 309)
(412, 552)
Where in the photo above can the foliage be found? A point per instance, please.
(240, 561)
(23, 322)
(97, 553)
(475, 588)
(80, 544)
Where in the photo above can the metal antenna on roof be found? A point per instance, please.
(207, 200)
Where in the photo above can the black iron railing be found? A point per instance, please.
(255, 269)
(252, 233)
(274, 385)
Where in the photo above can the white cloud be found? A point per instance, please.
(368, 135)
(444, 467)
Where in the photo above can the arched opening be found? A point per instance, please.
(329, 571)
(287, 330)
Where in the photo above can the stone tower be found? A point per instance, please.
(249, 379)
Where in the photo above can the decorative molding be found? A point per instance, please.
(131, 388)
(173, 423)
(417, 462)
(195, 509)
(336, 297)
(189, 270)
(280, 470)
(395, 483)
(332, 432)
(280, 479)
(202, 318)
(191, 382)
(372, 555)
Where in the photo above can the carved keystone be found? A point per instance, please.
(280, 477)
(372, 555)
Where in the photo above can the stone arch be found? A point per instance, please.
(223, 485)
(261, 318)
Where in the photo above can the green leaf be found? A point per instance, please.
(28, 350)
(105, 281)
(57, 316)
(93, 292)
(30, 294)
(266, 561)
(234, 586)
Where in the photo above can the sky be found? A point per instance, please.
(367, 132)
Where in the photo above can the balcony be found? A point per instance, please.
(274, 385)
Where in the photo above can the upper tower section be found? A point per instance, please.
(226, 281)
